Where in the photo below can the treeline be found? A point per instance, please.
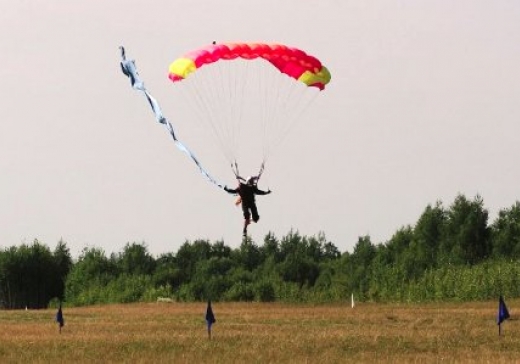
(450, 253)
(30, 276)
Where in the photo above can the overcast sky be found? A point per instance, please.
(424, 104)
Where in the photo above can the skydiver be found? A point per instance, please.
(247, 192)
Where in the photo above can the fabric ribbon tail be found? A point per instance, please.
(156, 109)
(130, 70)
(188, 152)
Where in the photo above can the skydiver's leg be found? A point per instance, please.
(247, 217)
(254, 211)
(247, 214)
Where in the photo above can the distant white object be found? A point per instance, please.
(164, 299)
(352, 300)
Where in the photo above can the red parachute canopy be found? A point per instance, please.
(288, 60)
(241, 95)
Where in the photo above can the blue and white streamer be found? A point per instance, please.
(129, 69)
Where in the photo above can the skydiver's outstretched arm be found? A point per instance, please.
(260, 192)
(230, 190)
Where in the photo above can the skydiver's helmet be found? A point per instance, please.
(251, 180)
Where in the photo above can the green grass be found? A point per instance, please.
(262, 333)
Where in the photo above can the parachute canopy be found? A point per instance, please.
(288, 60)
(247, 95)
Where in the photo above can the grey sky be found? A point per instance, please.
(423, 105)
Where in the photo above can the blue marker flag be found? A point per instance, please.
(59, 318)
(503, 313)
(210, 317)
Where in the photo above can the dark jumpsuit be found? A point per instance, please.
(247, 194)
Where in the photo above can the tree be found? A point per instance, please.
(357, 265)
(189, 254)
(404, 254)
(220, 250)
(249, 255)
(30, 275)
(290, 244)
(63, 262)
(167, 273)
(271, 247)
(505, 233)
(135, 259)
(299, 269)
(211, 279)
(467, 234)
(428, 234)
(92, 270)
(299, 262)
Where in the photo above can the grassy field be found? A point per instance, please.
(262, 333)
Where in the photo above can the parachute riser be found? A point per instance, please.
(236, 172)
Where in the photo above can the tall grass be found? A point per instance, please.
(262, 333)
